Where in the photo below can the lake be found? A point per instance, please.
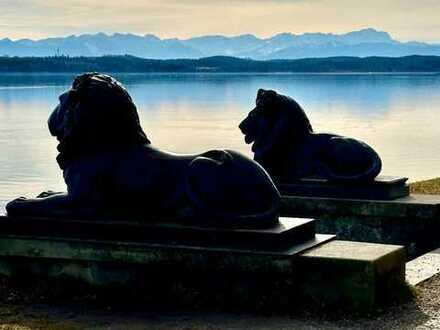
(399, 115)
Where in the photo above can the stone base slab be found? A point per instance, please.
(338, 274)
(382, 188)
(289, 236)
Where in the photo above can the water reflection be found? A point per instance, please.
(397, 114)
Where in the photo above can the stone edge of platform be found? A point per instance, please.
(423, 268)
(350, 275)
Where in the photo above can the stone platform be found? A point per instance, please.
(412, 221)
(311, 271)
(382, 188)
(289, 236)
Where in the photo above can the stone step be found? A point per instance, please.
(412, 221)
(423, 268)
(361, 275)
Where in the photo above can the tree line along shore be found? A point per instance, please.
(221, 64)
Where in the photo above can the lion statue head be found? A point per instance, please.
(277, 122)
(96, 114)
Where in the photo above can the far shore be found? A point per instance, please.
(223, 64)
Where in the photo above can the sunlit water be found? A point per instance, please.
(399, 115)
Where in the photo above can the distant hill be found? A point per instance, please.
(219, 64)
(363, 43)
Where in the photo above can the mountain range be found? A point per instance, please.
(362, 43)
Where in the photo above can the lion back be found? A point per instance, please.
(348, 159)
(229, 189)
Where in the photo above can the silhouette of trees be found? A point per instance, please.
(219, 64)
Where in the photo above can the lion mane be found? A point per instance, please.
(98, 114)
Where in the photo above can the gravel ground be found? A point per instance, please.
(421, 313)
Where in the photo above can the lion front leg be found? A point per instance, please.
(48, 206)
(73, 204)
(48, 193)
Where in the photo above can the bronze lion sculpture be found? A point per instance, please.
(112, 170)
(286, 146)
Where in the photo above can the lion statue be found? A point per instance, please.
(286, 146)
(111, 169)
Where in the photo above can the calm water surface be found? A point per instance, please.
(399, 115)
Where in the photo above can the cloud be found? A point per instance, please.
(405, 19)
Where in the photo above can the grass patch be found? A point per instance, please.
(431, 187)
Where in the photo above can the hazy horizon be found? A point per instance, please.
(209, 35)
(405, 20)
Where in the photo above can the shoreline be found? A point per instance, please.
(293, 73)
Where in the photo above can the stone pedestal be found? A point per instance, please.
(309, 272)
(289, 236)
(382, 188)
(412, 221)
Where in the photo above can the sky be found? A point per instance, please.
(404, 19)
